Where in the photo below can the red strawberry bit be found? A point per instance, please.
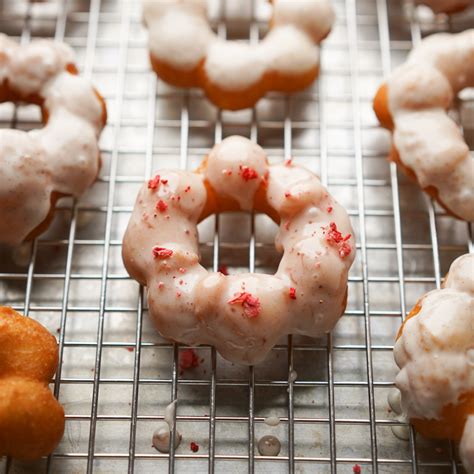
(154, 182)
(356, 469)
(248, 173)
(288, 162)
(223, 269)
(345, 250)
(287, 194)
(194, 447)
(164, 181)
(187, 189)
(293, 293)
(161, 252)
(161, 206)
(334, 237)
(329, 209)
(188, 359)
(251, 304)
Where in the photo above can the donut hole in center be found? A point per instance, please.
(21, 116)
(237, 242)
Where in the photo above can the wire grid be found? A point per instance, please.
(116, 374)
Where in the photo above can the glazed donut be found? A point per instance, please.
(435, 354)
(446, 6)
(427, 143)
(61, 159)
(31, 419)
(244, 315)
(185, 52)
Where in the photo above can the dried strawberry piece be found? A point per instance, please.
(161, 206)
(334, 237)
(356, 469)
(251, 304)
(161, 252)
(154, 182)
(188, 359)
(293, 293)
(194, 447)
(248, 173)
(345, 250)
(223, 269)
(332, 234)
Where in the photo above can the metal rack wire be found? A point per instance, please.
(116, 374)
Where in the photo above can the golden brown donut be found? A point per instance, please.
(31, 419)
(185, 52)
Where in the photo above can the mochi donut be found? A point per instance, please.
(427, 143)
(60, 159)
(446, 6)
(435, 354)
(31, 419)
(242, 315)
(185, 52)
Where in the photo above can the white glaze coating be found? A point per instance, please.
(181, 37)
(426, 138)
(442, 6)
(466, 448)
(432, 351)
(63, 156)
(191, 305)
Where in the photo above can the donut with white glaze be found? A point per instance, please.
(31, 419)
(435, 354)
(446, 6)
(62, 158)
(427, 143)
(185, 52)
(242, 315)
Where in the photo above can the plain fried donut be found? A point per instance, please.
(435, 354)
(61, 159)
(185, 52)
(31, 419)
(427, 143)
(244, 315)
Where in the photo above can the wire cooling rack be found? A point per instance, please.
(116, 374)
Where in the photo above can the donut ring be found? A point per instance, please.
(446, 6)
(244, 315)
(427, 143)
(185, 52)
(31, 419)
(435, 354)
(61, 159)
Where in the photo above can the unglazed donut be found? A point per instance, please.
(427, 143)
(185, 52)
(244, 315)
(31, 419)
(435, 354)
(446, 6)
(61, 159)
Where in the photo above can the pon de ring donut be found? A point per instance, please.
(242, 315)
(427, 143)
(62, 158)
(185, 52)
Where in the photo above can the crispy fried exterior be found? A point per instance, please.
(31, 419)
